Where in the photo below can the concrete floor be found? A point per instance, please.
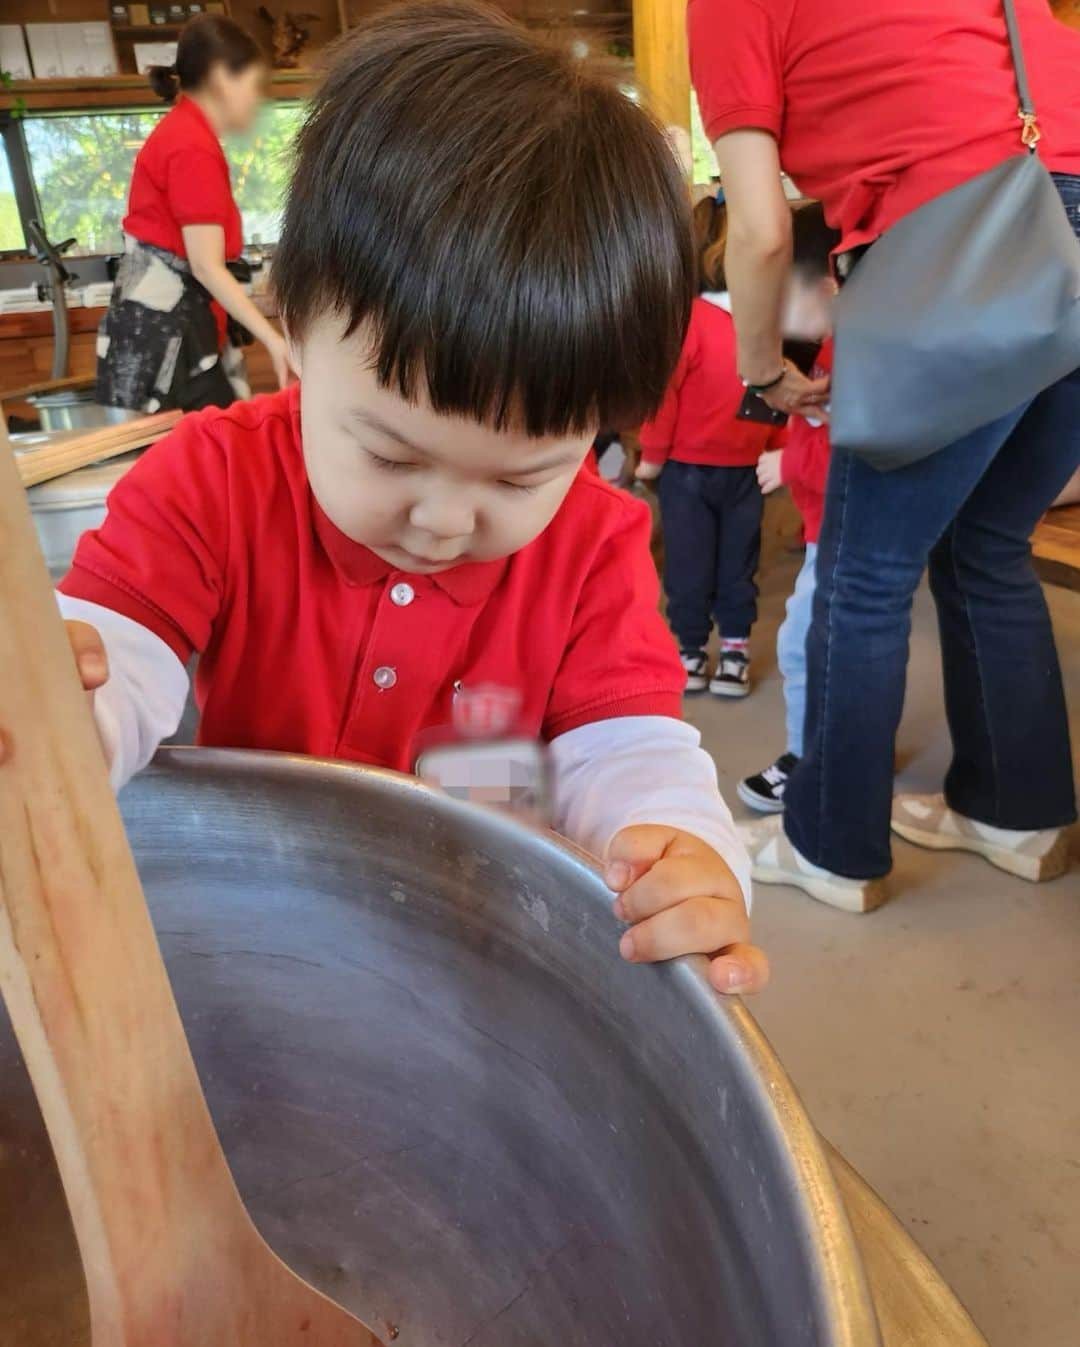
(936, 1042)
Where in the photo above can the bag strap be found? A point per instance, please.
(1031, 133)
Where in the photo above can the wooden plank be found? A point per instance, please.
(171, 1256)
(44, 386)
(78, 451)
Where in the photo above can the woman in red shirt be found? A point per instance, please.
(705, 454)
(875, 115)
(163, 341)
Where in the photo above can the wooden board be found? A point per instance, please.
(95, 446)
(43, 386)
(170, 1255)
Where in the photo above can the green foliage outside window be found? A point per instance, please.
(705, 166)
(11, 234)
(82, 168)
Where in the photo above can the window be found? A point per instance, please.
(260, 163)
(82, 169)
(705, 165)
(11, 234)
(82, 164)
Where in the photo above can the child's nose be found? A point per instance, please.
(443, 517)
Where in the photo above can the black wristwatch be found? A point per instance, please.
(758, 389)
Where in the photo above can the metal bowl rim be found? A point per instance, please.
(843, 1291)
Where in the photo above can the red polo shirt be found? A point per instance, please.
(878, 108)
(698, 420)
(181, 177)
(310, 643)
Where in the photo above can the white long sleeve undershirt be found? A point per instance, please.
(609, 774)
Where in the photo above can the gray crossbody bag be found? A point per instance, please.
(961, 312)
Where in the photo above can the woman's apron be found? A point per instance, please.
(158, 344)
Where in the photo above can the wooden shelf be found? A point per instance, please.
(116, 91)
(143, 29)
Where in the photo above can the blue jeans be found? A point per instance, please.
(712, 544)
(968, 512)
(791, 650)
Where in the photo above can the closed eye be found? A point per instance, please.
(521, 486)
(388, 464)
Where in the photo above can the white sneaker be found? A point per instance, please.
(696, 664)
(927, 821)
(775, 861)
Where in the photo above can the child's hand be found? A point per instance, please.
(679, 897)
(769, 475)
(648, 472)
(89, 651)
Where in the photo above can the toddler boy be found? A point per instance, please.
(464, 278)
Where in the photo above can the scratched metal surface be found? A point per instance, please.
(446, 1101)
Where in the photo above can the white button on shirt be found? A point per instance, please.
(384, 677)
(402, 594)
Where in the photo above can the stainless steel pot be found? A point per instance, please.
(446, 1100)
(76, 409)
(65, 507)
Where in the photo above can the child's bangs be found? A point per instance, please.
(510, 233)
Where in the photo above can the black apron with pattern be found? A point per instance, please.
(158, 344)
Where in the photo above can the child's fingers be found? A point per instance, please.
(696, 926)
(89, 651)
(674, 880)
(739, 970)
(632, 852)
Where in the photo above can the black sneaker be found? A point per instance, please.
(732, 677)
(765, 791)
(696, 664)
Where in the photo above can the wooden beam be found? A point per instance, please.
(117, 91)
(660, 55)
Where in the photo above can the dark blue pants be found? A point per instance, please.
(968, 512)
(712, 544)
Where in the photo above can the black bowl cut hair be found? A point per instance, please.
(513, 231)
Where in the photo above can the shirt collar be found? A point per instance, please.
(720, 298)
(468, 585)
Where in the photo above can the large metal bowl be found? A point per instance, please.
(446, 1100)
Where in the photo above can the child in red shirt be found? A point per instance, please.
(412, 522)
(803, 467)
(704, 455)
